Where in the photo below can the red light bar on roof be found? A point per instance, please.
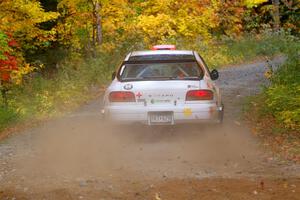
(164, 47)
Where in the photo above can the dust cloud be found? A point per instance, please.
(83, 148)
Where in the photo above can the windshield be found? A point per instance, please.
(161, 71)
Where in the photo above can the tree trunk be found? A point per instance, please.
(276, 14)
(98, 22)
(94, 36)
(3, 93)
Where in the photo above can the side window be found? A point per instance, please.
(201, 62)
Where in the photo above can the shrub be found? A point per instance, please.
(7, 116)
(283, 96)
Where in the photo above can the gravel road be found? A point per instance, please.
(80, 157)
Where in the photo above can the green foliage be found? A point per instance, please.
(41, 97)
(7, 116)
(281, 100)
(3, 45)
(254, 3)
(283, 97)
(261, 15)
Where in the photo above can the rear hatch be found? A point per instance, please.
(163, 93)
(160, 78)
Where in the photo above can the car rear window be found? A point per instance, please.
(167, 70)
(162, 57)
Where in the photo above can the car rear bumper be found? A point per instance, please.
(189, 113)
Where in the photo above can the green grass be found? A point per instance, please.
(283, 96)
(7, 116)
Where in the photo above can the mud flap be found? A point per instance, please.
(221, 114)
(102, 114)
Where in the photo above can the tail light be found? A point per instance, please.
(120, 96)
(196, 95)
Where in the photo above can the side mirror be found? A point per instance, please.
(113, 76)
(214, 74)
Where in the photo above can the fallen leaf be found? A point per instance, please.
(157, 197)
(237, 123)
(262, 184)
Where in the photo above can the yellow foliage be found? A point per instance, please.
(21, 19)
(22, 16)
(156, 21)
(170, 19)
(156, 28)
(253, 3)
(23, 70)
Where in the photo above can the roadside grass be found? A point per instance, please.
(77, 79)
(275, 136)
(39, 97)
(275, 113)
(7, 117)
(281, 99)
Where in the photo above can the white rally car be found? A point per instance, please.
(163, 87)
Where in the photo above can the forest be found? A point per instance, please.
(56, 54)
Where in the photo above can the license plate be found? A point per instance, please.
(161, 118)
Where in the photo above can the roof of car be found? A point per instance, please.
(140, 54)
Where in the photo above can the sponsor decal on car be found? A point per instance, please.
(187, 112)
(192, 86)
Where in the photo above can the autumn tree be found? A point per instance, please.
(22, 18)
(86, 24)
(20, 32)
(277, 14)
(170, 19)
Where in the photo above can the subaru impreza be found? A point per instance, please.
(163, 86)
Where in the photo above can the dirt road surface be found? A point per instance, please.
(80, 157)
